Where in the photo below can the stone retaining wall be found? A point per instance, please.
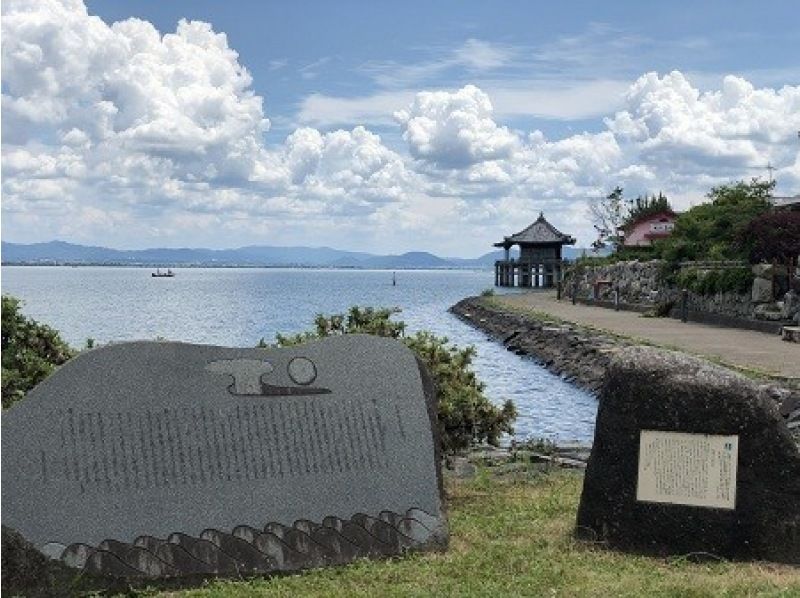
(640, 283)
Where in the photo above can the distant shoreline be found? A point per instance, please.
(253, 266)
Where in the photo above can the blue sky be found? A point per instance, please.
(381, 126)
(359, 50)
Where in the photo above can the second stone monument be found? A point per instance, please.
(690, 458)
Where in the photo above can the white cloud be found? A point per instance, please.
(324, 111)
(674, 125)
(121, 135)
(669, 137)
(353, 167)
(454, 129)
(473, 56)
(120, 117)
(558, 100)
(481, 55)
(539, 98)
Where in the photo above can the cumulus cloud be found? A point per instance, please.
(670, 136)
(182, 96)
(121, 116)
(119, 132)
(672, 125)
(353, 166)
(454, 129)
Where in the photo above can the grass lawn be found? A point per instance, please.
(511, 536)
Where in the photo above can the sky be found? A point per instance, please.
(381, 126)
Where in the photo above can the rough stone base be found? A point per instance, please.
(650, 389)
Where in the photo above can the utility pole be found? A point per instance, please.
(771, 168)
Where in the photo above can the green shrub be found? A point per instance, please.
(466, 416)
(31, 351)
(712, 231)
(687, 279)
(487, 292)
(736, 280)
(732, 280)
(709, 284)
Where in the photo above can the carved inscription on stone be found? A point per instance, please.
(149, 440)
(687, 469)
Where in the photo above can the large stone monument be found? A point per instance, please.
(158, 460)
(690, 458)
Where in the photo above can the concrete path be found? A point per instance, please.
(740, 348)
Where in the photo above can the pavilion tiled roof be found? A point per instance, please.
(540, 231)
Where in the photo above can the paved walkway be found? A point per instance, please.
(742, 348)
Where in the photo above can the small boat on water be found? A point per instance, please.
(159, 274)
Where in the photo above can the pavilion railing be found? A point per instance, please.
(545, 272)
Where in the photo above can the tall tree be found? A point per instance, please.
(711, 230)
(608, 216)
(645, 205)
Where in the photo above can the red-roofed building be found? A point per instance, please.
(643, 231)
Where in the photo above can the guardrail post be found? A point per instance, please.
(684, 305)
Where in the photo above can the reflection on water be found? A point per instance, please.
(239, 306)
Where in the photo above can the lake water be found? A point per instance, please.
(239, 306)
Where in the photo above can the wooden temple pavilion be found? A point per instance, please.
(539, 263)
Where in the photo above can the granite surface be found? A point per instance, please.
(133, 459)
(658, 390)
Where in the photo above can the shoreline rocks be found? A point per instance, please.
(581, 356)
(578, 355)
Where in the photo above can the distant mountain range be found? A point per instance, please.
(60, 252)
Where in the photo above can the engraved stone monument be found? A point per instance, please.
(690, 458)
(159, 460)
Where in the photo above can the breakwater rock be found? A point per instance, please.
(579, 355)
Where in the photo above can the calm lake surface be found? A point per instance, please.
(239, 306)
